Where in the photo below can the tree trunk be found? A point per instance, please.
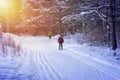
(113, 36)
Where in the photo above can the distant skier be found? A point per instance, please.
(60, 41)
(50, 34)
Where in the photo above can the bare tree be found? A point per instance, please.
(113, 26)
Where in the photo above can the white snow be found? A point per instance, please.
(40, 59)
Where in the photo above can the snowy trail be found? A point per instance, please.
(43, 61)
(50, 70)
(94, 65)
(44, 51)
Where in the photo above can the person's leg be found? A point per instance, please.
(59, 46)
(49, 36)
(62, 46)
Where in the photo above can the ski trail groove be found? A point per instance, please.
(34, 62)
(49, 70)
(40, 66)
(55, 73)
(77, 56)
(44, 66)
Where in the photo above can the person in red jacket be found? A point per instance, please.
(60, 41)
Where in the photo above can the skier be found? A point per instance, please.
(50, 34)
(60, 41)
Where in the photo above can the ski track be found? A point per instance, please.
(46, 71)
(39, 66)
(77, 56)
(52, 69)
(43, 65)
(50, 72)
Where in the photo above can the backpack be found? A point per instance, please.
(60, 39)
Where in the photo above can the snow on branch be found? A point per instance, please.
(91, 11)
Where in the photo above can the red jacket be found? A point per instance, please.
(60, 40)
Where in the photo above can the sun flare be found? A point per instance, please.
(10, 10)
(4, 4)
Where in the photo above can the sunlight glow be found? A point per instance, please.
(9, 10)
(4, 4)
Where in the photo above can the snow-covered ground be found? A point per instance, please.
(40, 59)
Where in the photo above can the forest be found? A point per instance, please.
(97, 20)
